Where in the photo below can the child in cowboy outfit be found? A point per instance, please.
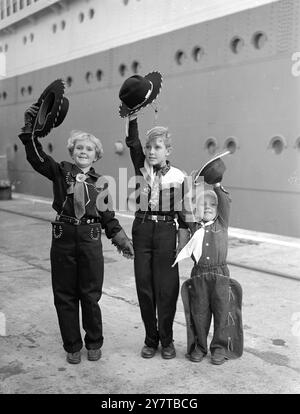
(154, 230)
(210, 291)
(77, 264)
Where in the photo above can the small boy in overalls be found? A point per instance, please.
(210, 291)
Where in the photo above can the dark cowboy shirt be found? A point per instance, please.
(215, 241)
(169, 194)
(63, 176)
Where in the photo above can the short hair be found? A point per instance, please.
(159, 132)
(209, 194)
(77, 135)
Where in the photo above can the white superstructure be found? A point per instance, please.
(38, 33)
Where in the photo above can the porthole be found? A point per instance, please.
(277, 144)
(69, 81)
(211, 145)
(54, 28)
(6, 47)
(259, 39)
(29, 90)
(24, 40)
(135, 66)
(15, 147)
(297, 144)
(81, 17)
(31, 37)
(122, 69)
(231, 144)
(50, 147)
(4, 95)
(89, 77)
(99, 75)
(63, 24)
(91, 13)
(23, 91)
(180, 56)
(197, 53)
(236, 44)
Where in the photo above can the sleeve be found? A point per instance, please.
(134, 144)
(223, 204)
(104, 206)
(110, 224)
(38, 159)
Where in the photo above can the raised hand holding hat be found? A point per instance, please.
(139, 91)
(213, 170)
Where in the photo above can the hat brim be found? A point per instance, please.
(203, 169)
(53, 108)
(156, 79)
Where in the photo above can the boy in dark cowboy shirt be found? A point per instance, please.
(76, 252)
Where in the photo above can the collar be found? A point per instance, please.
(76, 170)
(163, 170)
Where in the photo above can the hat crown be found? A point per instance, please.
(134, 91)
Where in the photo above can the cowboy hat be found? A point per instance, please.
(53, 108)
(139, 91)
(213, 170)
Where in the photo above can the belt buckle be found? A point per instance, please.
(154, 218)
(77, 221)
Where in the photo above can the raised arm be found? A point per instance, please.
(223, 204)
(38, 159)
(134, 144)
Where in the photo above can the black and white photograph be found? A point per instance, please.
(149, 200)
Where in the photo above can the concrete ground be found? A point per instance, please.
(32, 360)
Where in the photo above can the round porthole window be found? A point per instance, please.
(236, 44)
(197, 53)
(211, 145)
(259, 39)
(180, 57)
(135, 66)
(122, 69)
(277, 144)
(88, 77)
(99, 75)
(231, 144)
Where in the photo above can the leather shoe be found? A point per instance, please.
(148, 351)
(196, 355)
(168, 352)
(94, 354)
(218, 358)
(74, 357)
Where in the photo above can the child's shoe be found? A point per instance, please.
(196, 355)
(218, 358)
(94, 354)
(74, 357)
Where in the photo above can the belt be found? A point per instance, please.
(154, 217)
(76, 222)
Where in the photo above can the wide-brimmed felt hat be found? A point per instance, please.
(53, 108)
(139, 91)
(213, 170)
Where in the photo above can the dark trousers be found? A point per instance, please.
(77, 277)
(210, 297)
(157, 283)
